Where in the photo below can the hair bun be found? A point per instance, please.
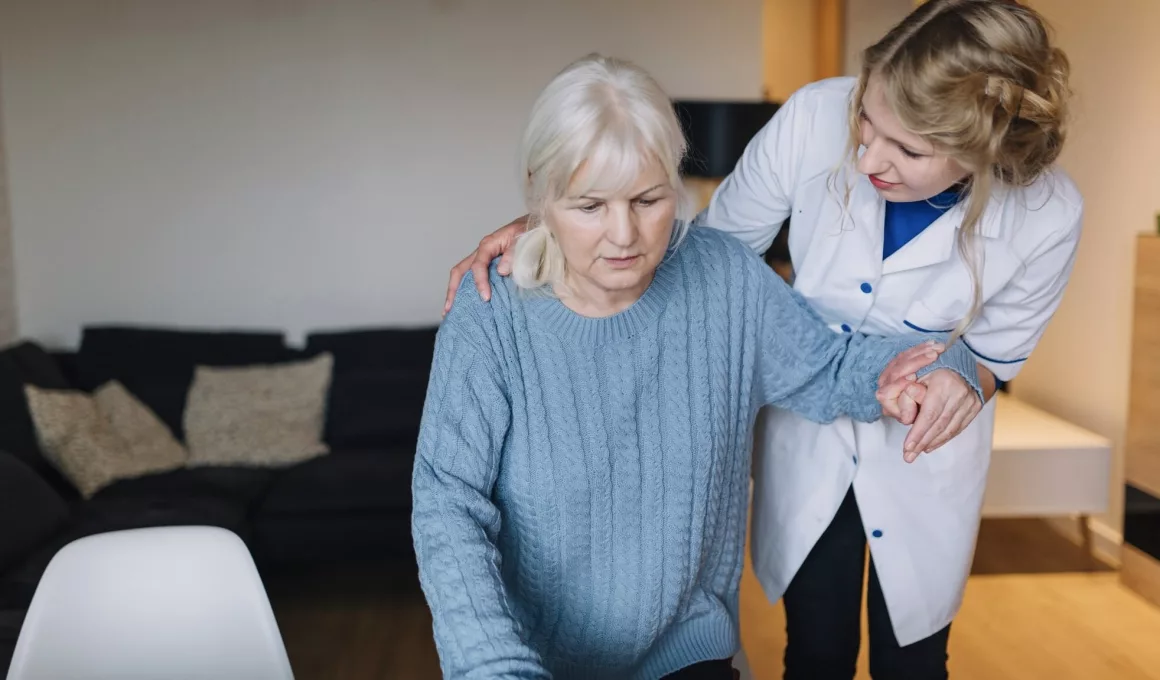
(1008, 94)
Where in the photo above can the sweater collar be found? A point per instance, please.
(567, 324)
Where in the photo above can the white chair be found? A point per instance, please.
(166, 603)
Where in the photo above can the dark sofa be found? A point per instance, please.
(352, 504)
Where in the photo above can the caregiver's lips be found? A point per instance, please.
(881, 184)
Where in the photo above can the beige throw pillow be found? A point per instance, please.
(95, 440)
(258, 416)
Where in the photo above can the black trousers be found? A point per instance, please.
(706, 670)
(823, 607)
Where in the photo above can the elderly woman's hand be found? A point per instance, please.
(898, 392)
(492, 246)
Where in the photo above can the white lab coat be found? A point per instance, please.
(921, 519)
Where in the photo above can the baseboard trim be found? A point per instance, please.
(1105, 543)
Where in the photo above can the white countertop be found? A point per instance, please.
(1043, 465)
(1021, 426)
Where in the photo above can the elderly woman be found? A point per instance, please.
(581, 483)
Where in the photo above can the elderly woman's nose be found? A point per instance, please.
(623, 227)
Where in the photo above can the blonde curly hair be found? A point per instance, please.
(983, 83)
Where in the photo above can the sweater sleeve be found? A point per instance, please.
(805, 367)
(455, 524)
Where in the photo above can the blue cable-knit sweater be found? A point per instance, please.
(581, 484)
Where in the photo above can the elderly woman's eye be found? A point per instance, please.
(646, 202)
(590, 207)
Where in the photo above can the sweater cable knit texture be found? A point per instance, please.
(580, 486)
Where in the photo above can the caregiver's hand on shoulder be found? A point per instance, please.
(947, 407)
(492, 246)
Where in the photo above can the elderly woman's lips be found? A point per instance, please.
(621, 262)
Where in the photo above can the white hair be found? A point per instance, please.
(610, 116)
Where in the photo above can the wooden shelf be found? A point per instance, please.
(1141, 569)
(1143, 439)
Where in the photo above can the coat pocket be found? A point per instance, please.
(921, 319)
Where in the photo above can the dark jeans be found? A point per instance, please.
(706, 670)
(823, 608)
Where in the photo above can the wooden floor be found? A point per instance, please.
(1037, 608)
(365, 623)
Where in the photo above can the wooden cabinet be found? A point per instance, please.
(1141, 553)
(1143, 440)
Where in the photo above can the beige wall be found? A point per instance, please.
(866, 22)
(1080, 370)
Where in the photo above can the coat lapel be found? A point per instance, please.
(932, 246)
(936, 243)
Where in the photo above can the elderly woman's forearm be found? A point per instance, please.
(822, 375)
(805, 367)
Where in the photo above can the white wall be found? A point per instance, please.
(296, 164)
(1080, 370)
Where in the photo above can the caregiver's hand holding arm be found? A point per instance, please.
(938, 406)
(945, 407)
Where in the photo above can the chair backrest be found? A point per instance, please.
(181, 603)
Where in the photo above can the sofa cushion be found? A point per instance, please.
(157, 364)
(379, 385)
(409, 348)
(365, 480)
(99, 438)
(11, 620)
(114, 514)
(27, 364)
(31, 510)
(258, 416)
(376, 408)
(296, 541)
(241, 485)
